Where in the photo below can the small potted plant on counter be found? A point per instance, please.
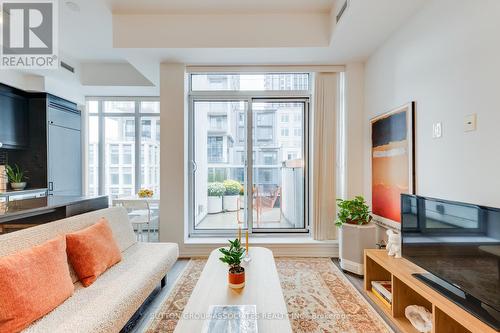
(356, 233)
(16, 177)
(233, 257)
(231, 195)
(215, 193)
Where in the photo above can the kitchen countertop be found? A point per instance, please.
(12, 209)
(7, 193)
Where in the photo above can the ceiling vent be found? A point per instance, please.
(67, 67)
(342, 10)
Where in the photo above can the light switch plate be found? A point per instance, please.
(437, 130)
(470, 122)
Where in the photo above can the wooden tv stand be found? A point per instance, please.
(447, 317)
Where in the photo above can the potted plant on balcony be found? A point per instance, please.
(231, 195)
(16, 177)
(356, 233)
(215, 193)
(242, 197)
(233, 257)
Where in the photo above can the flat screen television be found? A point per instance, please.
(458, 244)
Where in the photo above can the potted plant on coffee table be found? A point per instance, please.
(231, 195)
(215, 193)
(356, 233)
(233, 256)
(16, 177)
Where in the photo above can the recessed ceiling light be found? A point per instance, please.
(73, 6)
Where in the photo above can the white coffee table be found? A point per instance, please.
(262, 289)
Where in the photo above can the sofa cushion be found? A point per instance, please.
(23, 239)
(91, 251)
(33, 282)
(113, 298)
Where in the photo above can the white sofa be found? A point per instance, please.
(115, 296)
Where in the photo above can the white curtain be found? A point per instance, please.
(324, 156)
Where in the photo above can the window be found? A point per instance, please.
(119, 140)
(218, 122)
(114, 152)
(269, 158)
(114, 176)
(118, 106)
(250, 82)
(215, 149)
(265, 119)
(127, 154)
(146, 128)
(221, 139)
(264, 133)
(127, 176)
(150, 107)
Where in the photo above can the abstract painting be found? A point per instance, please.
(392, 160)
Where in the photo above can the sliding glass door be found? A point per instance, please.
(229, 186)
(218, 160)
(278, 173)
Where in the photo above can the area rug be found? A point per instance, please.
(318, 296)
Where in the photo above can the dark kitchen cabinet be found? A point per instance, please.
(53, 158)
(13, 118)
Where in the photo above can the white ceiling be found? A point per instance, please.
(218, 6)
(87, 36)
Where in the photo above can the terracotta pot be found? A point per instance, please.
(236, 280)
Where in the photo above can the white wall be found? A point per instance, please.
(59, 83)
(173, 211)
(354, 118)
(447, 59)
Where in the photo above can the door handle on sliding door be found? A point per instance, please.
(195, 166)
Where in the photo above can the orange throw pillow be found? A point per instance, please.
(92, 251)
(32, 283)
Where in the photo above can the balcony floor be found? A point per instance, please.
(228, 220)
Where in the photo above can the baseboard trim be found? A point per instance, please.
(317, 249)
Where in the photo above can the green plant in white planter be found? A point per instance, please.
(231, 195)
(16, 177)
(215, 193)
(354, 211)
(356, 233)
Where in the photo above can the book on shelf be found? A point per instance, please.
(384, 288)
(381, 298)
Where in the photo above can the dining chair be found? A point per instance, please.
(140, 214)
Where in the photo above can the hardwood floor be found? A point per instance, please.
(358, 282)
(141, 322)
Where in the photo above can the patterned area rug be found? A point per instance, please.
(318, 296)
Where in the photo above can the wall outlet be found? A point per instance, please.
(437, 130)
(470, 122)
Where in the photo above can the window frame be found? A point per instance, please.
(137, 115)
(249, 96)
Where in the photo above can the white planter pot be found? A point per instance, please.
(214, 205)
(242, 201)
(353, 240)
(18, 186)
(231, 203)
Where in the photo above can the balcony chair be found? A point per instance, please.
(265, 202)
